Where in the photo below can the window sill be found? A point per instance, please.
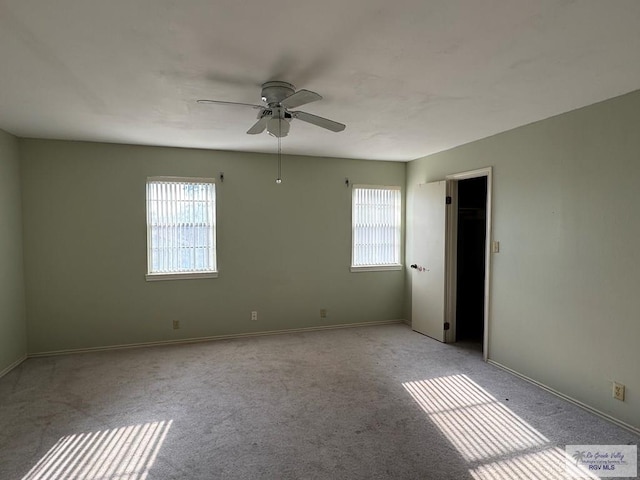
(375, 268)
(153, 277)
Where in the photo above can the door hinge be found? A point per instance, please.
(448, 199)
(447, 326)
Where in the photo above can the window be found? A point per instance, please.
(181, 228)
(376, 228)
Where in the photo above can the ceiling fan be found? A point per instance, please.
(276, 116)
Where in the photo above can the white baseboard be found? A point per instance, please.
(569, 399)
(212, 338)
(7, 369)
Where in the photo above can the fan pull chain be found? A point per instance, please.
(279, 179)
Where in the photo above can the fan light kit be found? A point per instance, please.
(276, 117)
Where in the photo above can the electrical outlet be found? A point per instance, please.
(254, 315)
(618, 391)
(323, 313)
(176, 324)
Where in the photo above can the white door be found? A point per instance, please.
(428, 260)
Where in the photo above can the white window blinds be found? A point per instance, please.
(376, 226)
(181, 235)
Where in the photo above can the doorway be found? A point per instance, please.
(451, 224)
(468, 258)
(470, 262)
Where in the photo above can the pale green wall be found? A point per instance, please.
(13, 339)
(565, 302)
(283, 250)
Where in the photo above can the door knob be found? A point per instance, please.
(414, 266)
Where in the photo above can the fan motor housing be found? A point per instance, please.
(274, 92)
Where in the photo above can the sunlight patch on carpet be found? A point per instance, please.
(496, 442)
(549, 464)
(125, 453)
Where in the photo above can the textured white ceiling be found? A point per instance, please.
(408, 77)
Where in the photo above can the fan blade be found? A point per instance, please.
(220, 102)
(259, 126)
(301, 97)
(319, 121)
